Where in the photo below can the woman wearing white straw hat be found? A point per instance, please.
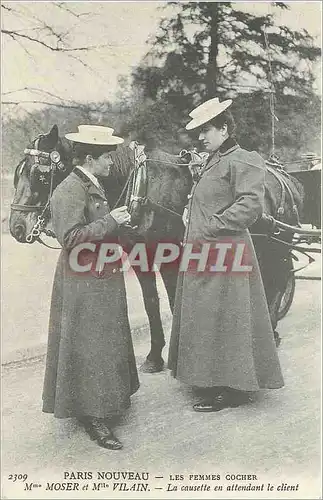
(222, 341)
(90, 369)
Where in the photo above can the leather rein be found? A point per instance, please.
(136, 187)
(276, 170)
(140, 167)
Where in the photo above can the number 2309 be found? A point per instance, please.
(18, 477)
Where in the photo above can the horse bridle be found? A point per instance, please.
(136, 186)
(52, 164)
(277, 170)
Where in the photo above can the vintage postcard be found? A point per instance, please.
(161, 250)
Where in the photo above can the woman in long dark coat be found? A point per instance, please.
(90, 370)
(222, 340)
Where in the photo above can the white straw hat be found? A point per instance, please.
(95, 134)
(206, 111)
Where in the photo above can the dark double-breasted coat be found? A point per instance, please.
(90, 366)
(221, 332)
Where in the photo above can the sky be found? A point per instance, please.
(118, 30)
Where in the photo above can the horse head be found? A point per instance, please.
(46, 162)
(159, 193)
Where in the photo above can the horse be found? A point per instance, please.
(158, 217)
(35, 178)
(284, 196)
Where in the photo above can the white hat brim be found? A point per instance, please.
(206, 115)
(112, 141)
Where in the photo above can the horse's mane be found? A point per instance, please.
(123, 159)
(123, 162)
(66, 148)
(169, 159)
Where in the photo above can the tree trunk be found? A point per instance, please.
(212, 68)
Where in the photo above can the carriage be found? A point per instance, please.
(310, 179)
(278, 236)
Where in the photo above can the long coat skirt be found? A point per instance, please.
(221, 332)
(90, 367)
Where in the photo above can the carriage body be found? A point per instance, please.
(312, 183)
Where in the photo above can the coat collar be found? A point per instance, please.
(91, 187)
(90, 176)
(226, 148)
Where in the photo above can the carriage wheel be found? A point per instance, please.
(287, 297)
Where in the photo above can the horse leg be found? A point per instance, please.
(154, 361)
(273, 296)
(169, 276)
(280, 277)
(270, 263)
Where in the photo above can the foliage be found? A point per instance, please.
(18, 132)
(203, 49)
(297, 130)
(154, 124)
(213, 48)
(158, 125)
(210, 48)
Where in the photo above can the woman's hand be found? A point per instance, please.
(121, 215)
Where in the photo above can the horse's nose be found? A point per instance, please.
(20, 233)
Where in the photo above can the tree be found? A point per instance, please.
(51, 41)
(209, 48)
(29, 29)
(297, 131)
(19, 131)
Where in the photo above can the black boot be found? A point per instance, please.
(99, 431)
(227, 398)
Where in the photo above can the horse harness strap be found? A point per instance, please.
(53, 163)
(281, 209)
(27, 208)
(46, 244)
(280, 176)
(162, 208)
(137, 182)
(137, 186)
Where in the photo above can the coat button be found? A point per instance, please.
(105, 203)
(97, 205)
